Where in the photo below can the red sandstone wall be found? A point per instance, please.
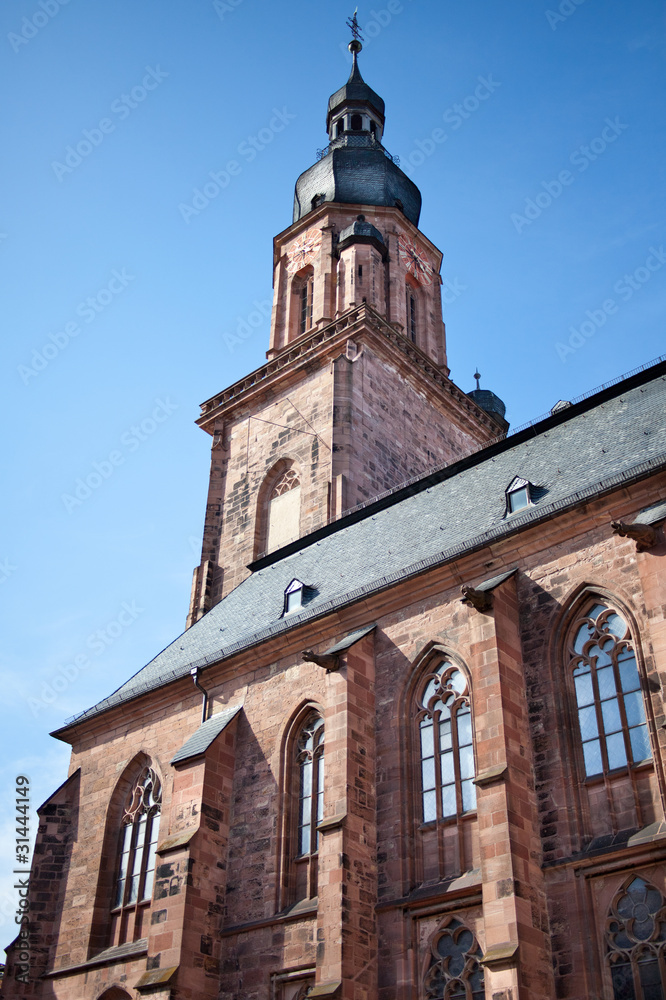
(296, 427)
(395, 431)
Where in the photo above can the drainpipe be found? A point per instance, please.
(194, 673)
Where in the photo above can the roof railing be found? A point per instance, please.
(364, 140)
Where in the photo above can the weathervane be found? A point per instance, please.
(352, 24)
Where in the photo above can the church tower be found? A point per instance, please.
(355, 397)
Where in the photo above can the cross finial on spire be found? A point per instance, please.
(352, 24)
(477, 376)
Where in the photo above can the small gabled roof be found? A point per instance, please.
(208, 731)
(517, 483)
(351, 639)
(653, 514)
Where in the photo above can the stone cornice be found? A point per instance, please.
(319, 343)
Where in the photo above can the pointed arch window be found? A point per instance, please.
(610, 707)
(635, 942)
(309, 768)
(284, 509)
(446, 744)
(135, 869)
(455, 971)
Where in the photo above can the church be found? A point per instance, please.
(411, 743)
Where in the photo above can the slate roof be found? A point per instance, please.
(350, 639)
(609, 439)
(653, 514)
(199, 741)
(355, 91)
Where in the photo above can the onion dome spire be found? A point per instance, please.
(355, 168)
(356, 98)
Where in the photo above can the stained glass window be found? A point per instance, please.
(635, 939)
(455, 970)
(611, 711)
(446, 744)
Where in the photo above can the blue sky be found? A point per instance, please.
(535, 133)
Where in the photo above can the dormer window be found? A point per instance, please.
(293, 597)
(297, 596)
(518, 495)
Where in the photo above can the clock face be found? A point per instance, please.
(415, 260)
(304, 250)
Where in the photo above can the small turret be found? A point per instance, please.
(355, 108)
(355, 168)
(489, 402)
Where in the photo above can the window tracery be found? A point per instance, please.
(288, 481)
(284, 510)
(304, 991)
(446, 744)
(137, 852)
(455, 972)
(310, 760)
(611, 712)
(635, 941)
(306, 769)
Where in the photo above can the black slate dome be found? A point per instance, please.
(355, 168)
(489, 401)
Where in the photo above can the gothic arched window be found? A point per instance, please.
(284, 510)
(446, 745)
(454, 971)
(309, 779)
(609, 700)
(135, 869)
(635, 940)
